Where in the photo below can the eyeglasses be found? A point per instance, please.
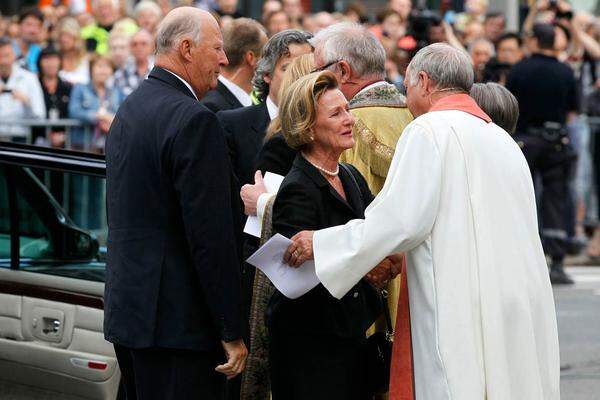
(324, 67)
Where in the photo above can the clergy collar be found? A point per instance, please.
(460, 102)
(371, 86)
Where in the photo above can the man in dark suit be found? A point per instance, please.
(243, 40)
(172, 297)
(245, 128)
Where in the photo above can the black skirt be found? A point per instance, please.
(315, 367)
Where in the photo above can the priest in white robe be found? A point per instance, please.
(459, 200)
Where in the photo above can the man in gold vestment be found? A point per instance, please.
(357, 58)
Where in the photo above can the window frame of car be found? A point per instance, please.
(35, 157)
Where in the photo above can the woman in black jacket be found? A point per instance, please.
(317, 343)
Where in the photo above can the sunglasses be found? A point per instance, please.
(324, 67)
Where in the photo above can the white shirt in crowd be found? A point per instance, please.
(12, 109)
(239, 93)
(80, 75)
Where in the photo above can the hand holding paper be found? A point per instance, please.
(292, 282)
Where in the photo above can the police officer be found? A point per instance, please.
(546, 91)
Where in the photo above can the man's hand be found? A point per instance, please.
(397, 261)
(301, 249)
(381, 274)
(385, 271)
(236, 353)
(251, 193)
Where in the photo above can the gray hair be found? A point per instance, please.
(277, 47)
(354, 44)
(498, 103)
(147, 5)
(484, 41)
(172, 30)
(448, 67)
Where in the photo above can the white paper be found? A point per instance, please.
(291, 282)
(253, 223)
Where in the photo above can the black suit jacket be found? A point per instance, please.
(306, 201)
(276, 156)
(220, 99)
(172, 264)
(245, 130)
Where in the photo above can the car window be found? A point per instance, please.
(61, 222)
(4, 222)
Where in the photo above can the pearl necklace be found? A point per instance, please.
(323, 170)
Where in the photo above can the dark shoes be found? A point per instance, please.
(558, 276)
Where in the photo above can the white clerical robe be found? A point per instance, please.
(459, 200)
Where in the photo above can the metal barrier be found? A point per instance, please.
(48, 125)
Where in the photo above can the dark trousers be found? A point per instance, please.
(305, 367)
(169, 374)
(552, 166)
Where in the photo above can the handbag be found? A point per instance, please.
(379, 354)
(379, 345)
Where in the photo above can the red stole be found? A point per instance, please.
(401, 373)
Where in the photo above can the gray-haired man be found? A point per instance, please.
(459, 200)
(172, 293)
(357, 58)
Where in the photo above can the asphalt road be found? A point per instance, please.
(578, 308)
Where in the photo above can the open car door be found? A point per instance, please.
(52, 269)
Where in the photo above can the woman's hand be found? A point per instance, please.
(301, 249)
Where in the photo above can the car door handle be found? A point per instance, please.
(52, 327)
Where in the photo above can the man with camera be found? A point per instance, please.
(546, 90)
(21, 94)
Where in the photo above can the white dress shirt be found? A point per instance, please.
(261, 203)
(184, 82)
(272, 109)
(239, 93)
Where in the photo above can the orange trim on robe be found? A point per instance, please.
(401, 371)
(460, 102)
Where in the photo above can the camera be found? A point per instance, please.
(420, 22)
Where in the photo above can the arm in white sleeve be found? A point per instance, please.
(36, 107)
(399, 219)
(261, 204)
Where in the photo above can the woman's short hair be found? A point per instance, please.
(498, 103)
(99, 59)
(299, 67)
(298, 107)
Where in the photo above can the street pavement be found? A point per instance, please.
(578, 310)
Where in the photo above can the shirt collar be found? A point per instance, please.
(239, 93)
(460, 102)
(371, 86)
(184, 82)
(272, 109)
